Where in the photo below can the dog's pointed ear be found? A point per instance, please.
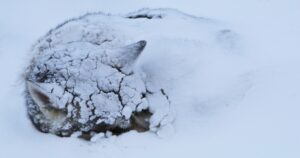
(125, 57)
(45, 101)
(39, 95)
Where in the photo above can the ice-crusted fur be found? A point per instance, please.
(82, 79)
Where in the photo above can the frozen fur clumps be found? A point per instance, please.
(82, 79)
(103, 72)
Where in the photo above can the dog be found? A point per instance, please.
(82, 79)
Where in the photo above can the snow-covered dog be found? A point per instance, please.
(82, 79)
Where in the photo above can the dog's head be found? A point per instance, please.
(80, 87)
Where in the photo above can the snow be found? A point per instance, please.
(236, 95)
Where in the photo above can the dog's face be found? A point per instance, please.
(79, 87)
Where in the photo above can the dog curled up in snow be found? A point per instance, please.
(82, 79)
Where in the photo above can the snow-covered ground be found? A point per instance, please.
(238, 99)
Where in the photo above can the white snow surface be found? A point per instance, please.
(232, 75)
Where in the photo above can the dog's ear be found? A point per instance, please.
(45, 102)
(38, 94)
(125, 57)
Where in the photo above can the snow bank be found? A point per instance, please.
(234, 99)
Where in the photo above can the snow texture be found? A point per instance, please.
(231, 72)
(81, 78)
